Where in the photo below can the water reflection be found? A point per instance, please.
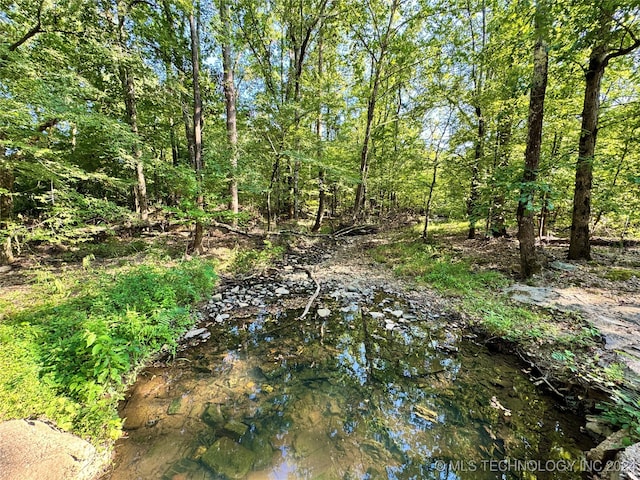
(352, 396)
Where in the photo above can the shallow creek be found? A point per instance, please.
(368, 386)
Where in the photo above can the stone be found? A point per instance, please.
(213, 416)
(243, 304)
(216, 297)
(35, 450)
(612, 444)
(629, 461)
(235, 289)
(196, 332)
(234, 429)
(566, 267)
(226, 457)
(263, 451)
(282, 291)
(396, 313)
(597, 427)
(222, 317)
(376, 315)
(324, 312)
(186, 468)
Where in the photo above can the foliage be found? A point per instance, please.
(247, 260)
(623, 411)
(621, 274)
(69, 357)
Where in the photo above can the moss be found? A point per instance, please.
(621, 274)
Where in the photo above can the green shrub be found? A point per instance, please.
(78, 352)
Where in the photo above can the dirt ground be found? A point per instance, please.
(605, 291)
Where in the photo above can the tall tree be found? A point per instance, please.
(526, 228)
(130, 101)
(378, 50)
(230, 107)
(612, 38)
(196, 152)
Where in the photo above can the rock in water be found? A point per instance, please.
(226, 457)
(195, 333)
(33, 449)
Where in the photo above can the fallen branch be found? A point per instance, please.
(300, 234)
(540, 380)
(231, 229)
(356, 230)
(313, 297)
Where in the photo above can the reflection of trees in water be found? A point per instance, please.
(369, 400)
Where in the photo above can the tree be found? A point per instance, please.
(196, 151)
(612, 39)
(230, 108)
(378, 49)
(526, 228)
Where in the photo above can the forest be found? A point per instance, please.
(509, 115)
(173, 171)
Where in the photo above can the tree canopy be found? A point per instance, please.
(120, 111)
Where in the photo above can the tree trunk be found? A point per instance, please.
(579, 246)
(526, 228)
(501, 161)
(230, 107)
(376, 69)
(543, 226)
(321, 173)
(129, 93)
(474, 194)
(198, 165)
(6, 211)
(361, 190)
(427, 210)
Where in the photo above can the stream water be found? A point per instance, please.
(369, 388)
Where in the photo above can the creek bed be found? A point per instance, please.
(366, 387)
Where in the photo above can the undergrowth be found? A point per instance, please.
(70, 347)
(478, 290)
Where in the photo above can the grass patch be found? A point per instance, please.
(248, 260)
(71, 347)
(621, 274)
(433, 265)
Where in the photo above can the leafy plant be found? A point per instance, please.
(623, 411)
(70, 358)
(248, 260)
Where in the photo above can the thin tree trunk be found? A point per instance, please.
(497, 219)
(376, 67)
(230, 106)
(432, 186)
(129, 93)
(321, 173)
(579, 245)
(6, 211)
(544, 211)
(197, 133)
(526, 228)
(474, 193)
